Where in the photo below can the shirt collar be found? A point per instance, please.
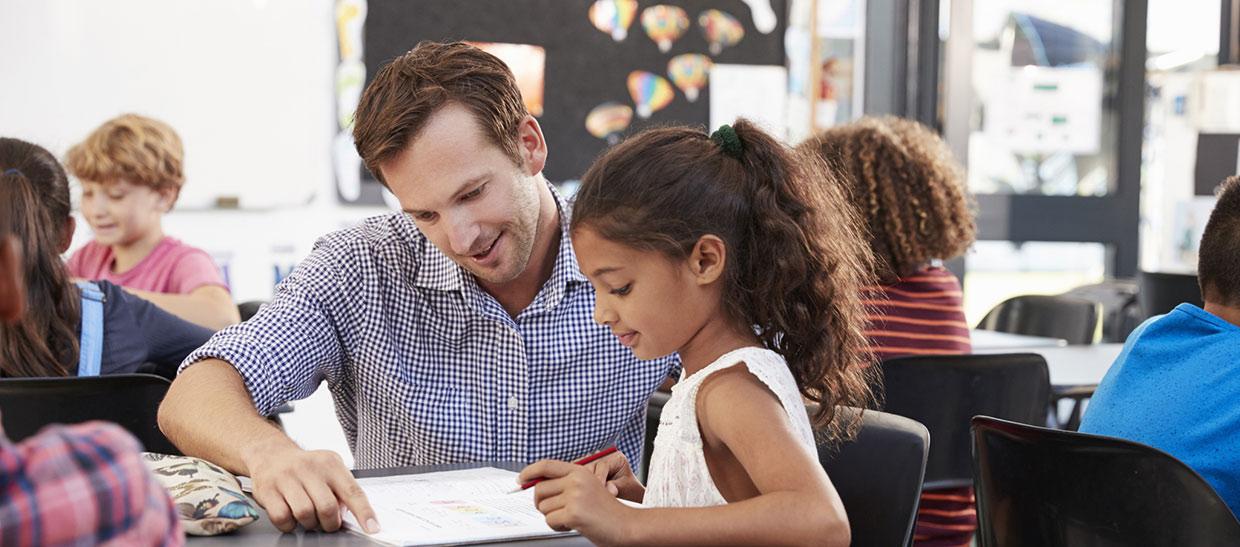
(438, 272)
(566, 271)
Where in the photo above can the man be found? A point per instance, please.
(458, 330)
(1176, 383)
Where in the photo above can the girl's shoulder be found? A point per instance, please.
(766, 365)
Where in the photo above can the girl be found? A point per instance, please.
(912, 196)
(728, 250)
(131, 332)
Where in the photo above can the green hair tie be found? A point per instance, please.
(728, 140)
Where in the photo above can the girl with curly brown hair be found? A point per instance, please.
(727, 250)
(911, 193)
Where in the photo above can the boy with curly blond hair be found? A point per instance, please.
(131, 173)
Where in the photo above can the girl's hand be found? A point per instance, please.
(572, 497)
(614, 471)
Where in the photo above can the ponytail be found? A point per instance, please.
(805, 263)
(34, 207)
(800, 260)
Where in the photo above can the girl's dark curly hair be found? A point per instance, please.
(908, 187)
(796, 259)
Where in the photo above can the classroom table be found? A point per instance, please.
(1072, 366)
(990, 341)
(264, 533)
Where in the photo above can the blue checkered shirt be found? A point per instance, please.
(427, 368)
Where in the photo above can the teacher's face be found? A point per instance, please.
(473, 201)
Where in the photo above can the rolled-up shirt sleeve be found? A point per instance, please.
(295, 341)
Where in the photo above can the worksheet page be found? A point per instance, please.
(451, 507)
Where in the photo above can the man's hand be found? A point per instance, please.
(296, 486)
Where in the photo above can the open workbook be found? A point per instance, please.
(451, 507)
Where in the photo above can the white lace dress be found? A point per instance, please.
(678, 475)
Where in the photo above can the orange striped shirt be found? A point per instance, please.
(923, 314)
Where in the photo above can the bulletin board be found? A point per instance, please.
(585, 65)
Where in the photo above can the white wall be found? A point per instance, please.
(247, 84)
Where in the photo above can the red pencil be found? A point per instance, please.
(582, 461)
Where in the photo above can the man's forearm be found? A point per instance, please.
(208, 414)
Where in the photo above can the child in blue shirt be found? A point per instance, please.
(1176, 384)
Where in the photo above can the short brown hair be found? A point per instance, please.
(133, 148)
(1218, 259)
(907, 186)
(408, 90)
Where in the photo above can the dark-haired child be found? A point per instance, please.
(727, 250)
(1175, 384)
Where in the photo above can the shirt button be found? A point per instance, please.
(513, 403)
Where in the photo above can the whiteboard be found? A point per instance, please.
(246, 83)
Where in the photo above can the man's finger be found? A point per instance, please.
(351, 494)
(300, 504)
(277, 510)
(326, 507)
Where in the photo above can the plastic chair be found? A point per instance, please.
(945, 392)
(654, 409)
(1064, 317)
(1045, 487)
(1121, 313)
(129, 400)
(878, 476)
(1161, 292)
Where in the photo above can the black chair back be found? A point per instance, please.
(654, 409)
(945, 392)
(1065, 317)
(1161, 292)
(1046, 488)
(130, 400)
(878, 476)
(248, 309)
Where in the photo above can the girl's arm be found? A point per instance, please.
(796, 504)
(209, 306)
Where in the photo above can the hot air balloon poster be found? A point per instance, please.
(613, 17)
(689, 73)
(650, 92)
(721, 30)
(665, 24)
(608, 121)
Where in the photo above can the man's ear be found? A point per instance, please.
(12, 283)
(708, 259)
(531, 145)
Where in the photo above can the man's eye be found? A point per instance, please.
(622, 290)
